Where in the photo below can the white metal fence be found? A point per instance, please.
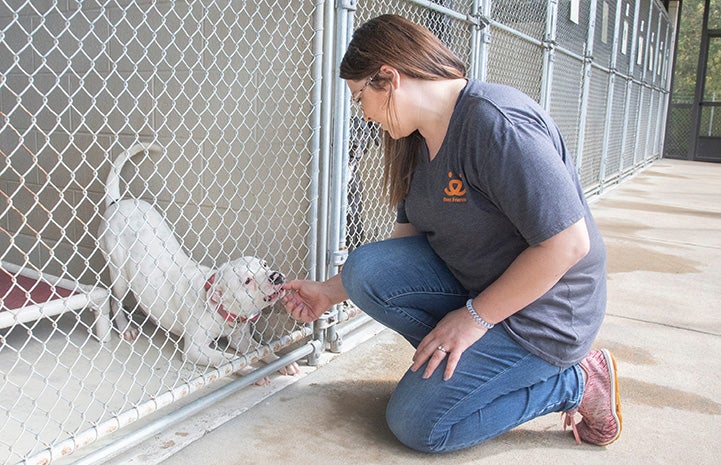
(260, 155)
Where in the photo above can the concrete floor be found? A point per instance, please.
(663, 233)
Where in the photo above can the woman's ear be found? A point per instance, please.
(392, 75)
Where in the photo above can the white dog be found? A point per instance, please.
(190, 300)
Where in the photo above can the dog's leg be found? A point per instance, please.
(127, 329)
(288, 370)
(243, 342)
(198, 351)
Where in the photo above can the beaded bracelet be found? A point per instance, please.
(476, 316)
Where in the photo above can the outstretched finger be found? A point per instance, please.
(435, 360)
(423, 353)
(291, 302)
(451, 364)
(293, 286)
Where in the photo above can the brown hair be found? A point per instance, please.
(414, 51)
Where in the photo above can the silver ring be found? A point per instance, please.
(442, 349)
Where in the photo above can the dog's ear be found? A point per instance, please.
(214, 295)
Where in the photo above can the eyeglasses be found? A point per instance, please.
(356, 98)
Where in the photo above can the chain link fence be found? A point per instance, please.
(259, 154)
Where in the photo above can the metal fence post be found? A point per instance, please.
(483, 12)
(549, 45)
(611, 94)
(327, 42)
(337, 252)
(587, 61)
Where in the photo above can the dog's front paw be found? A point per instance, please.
(131, 332)
(290, 370)
(264, 381)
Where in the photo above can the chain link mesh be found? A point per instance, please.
(632, 126)
(614, 144)
(523, 72)
(572, 26)
(229, 91)
(566, 91)
(226, 93)
(594, 135)
(527, 17)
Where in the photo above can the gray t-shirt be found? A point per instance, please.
(501, 182)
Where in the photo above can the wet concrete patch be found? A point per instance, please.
(626, 353)
(658, 208)
(624, 258)
(660, 174)
(655, 395)
(610, 226)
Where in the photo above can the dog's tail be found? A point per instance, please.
(112, 184)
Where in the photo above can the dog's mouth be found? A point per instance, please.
(274, 296)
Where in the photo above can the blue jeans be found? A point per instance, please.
(497, 385)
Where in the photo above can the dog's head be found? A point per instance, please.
(244, 287)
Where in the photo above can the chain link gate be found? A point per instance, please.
(260, 154)
(226, 90)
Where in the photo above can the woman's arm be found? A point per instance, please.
(533, 273)
(530, 275)
(307, 300)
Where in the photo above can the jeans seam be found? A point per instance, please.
(389, 304)
(389, 299)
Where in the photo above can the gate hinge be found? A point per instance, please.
(479, 20)
(338, 257)
(347, 4)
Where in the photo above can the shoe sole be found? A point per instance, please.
(615, 395)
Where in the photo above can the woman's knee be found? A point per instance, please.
(413, 423)
(409, 429)
(375, 267)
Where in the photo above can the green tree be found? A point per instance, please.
(687, 51)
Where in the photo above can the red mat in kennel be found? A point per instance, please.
(20, 291)
(27, 295)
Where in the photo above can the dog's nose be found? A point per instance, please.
(277, 278)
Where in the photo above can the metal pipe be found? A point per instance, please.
(316, 139)
(339, 156)
(549, 40)
(586, 86)
(482, 10)
(442, 9)
(194, 407)
(326, 139)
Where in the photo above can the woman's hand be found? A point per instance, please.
(306, 301)
(455, 333)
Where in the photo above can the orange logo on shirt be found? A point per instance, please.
(455, 190)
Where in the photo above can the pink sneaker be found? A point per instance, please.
(601, 403)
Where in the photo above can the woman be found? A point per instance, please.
(495, 271)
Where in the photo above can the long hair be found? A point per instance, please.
(414, 51)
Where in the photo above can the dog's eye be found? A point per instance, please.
(248, 280)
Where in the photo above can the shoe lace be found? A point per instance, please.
(567, 418)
